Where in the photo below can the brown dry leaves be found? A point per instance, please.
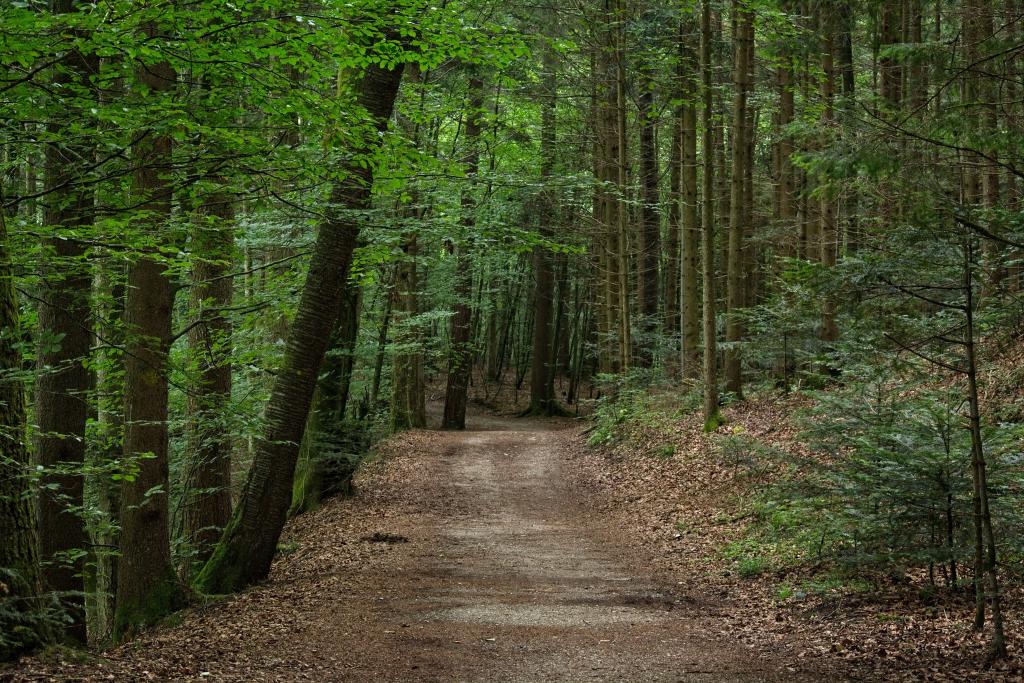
(282, 630)
(682, 510)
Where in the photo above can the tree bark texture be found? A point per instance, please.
(147, 587)
(246, 549)
(61, 406)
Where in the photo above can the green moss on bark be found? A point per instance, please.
(223, 573)
(163, 598)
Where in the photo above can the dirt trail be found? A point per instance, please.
(524, 588)
(484, 567)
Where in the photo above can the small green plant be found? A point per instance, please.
(714, 422)
(287, 548)
(665, 451)
(616, 412)
(749, 567)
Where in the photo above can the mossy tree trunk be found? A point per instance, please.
(108, 312)
(408, 393)
(246, 549)
(327, 460)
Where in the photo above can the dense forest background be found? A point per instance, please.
(240, 243)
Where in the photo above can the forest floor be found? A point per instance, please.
(687, 501)
(465, 556)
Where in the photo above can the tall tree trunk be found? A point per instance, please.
(621, 180)
(245, 551)
(828, 231)
(889, 69)
(607, 195)
(689, 270)
(848, 113)
(650, 229)
(673, 246)
(18, 541)
(784, 149)
(207, 505)
(460, 364)
(147, 587)
(542, 399)
(711, 415)
(61, 406)
(742, 34)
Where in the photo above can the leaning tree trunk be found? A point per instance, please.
(19, 561)
(324, 467)
(461, 361)
(147, 587)
(62, 383)
(246, 549)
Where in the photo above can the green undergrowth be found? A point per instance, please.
(331, 455)
(860, 497)
(633, 405)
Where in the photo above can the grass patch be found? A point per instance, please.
(287, 548)
(749, 567)
(665, 451)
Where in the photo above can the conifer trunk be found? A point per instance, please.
(689, 270)
(828, 231)
(711, 417)
(742, 35)
(650, 242)
(542, 399)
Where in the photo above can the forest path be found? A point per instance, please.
(517, 581)
(466, 556)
